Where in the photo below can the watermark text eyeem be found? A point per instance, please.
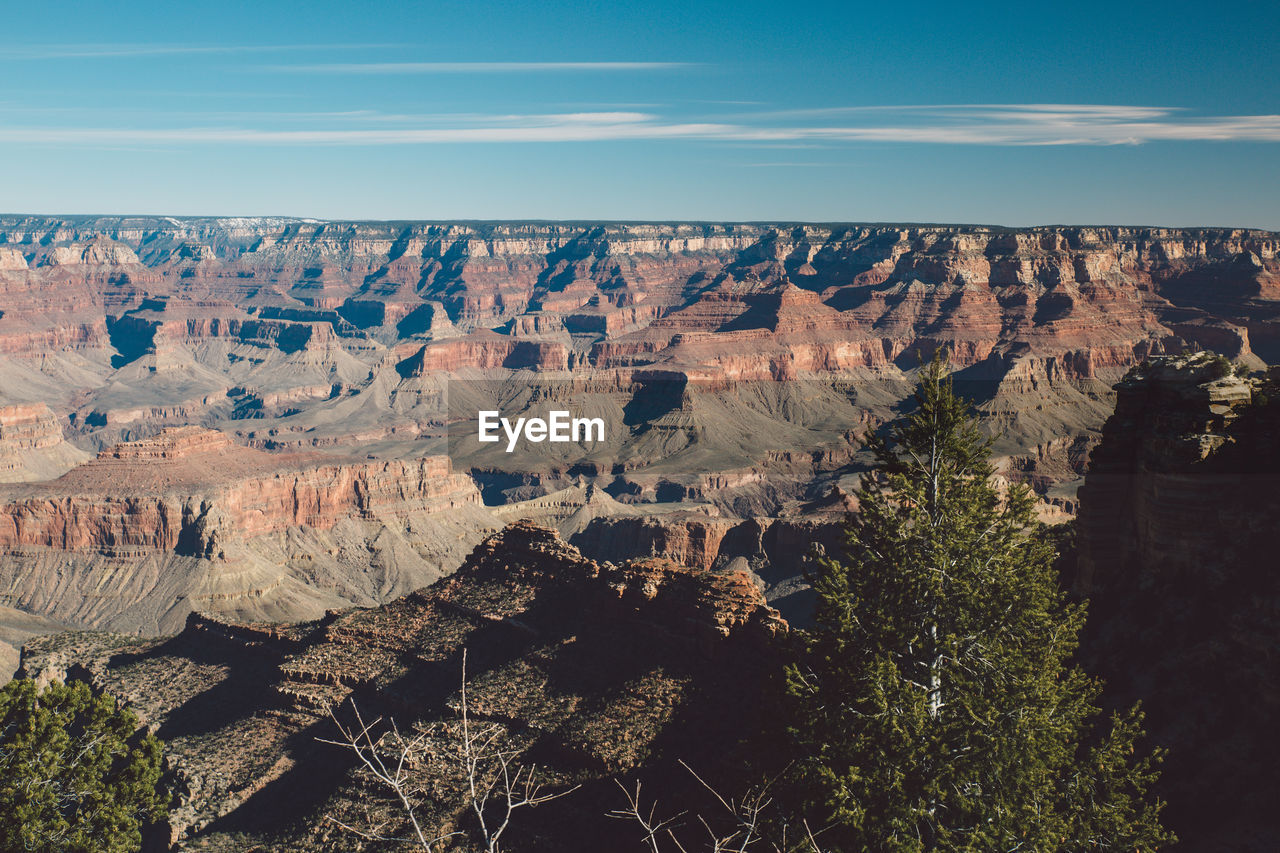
(558, 427)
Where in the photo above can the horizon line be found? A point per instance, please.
(320, 220)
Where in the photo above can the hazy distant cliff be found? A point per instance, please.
(1085, 289)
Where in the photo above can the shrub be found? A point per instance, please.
(77, 774)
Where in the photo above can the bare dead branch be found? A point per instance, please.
(492, 777)
(748, 816)
(653, 828)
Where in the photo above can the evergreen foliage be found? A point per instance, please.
(76, 773)
(934, 705)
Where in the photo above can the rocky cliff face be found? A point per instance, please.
(1179, 528)
(594, 671)
(138, 496)
(774, 551)
(149, 530)
(819, 298)
(292, 334)
(152, 529)
(1165, 483)
(32, 446)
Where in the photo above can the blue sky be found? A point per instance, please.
(1003, 113)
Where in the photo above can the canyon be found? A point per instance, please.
(240, 486)
(268, 418)
(603, 671)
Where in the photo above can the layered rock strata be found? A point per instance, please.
(298, 335)
(150, 530)
(32, 446)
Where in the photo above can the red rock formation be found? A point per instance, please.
(189, 488)
(32, 446)
(150, 530)
(485, 350)
(29, 427)
(975, 282)
(292, 334)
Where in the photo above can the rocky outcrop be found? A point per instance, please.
(16, 627)
(485, 351)
(593, 671)
(681, 601)
(1178, 532)
(774, 552)
(148, 495)
(1163, 490)
(11, 260)
(777, 546)
(688, 538)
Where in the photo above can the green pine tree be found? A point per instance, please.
(934, 705)
(77, 775)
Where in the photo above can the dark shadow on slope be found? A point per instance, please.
(1053, 305)
(363, 313)
(653, 400)
(237, 696)
(416, 322)
(294, 803)
(850, 297)
(131, 338)
(400, 246)
(294, 338)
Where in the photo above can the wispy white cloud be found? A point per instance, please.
(1005, 124)
(607, 105)
(1044, 124)
(125, 51)
(534, 130)
(470, 67)
(975, 110)
(1008, 124)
